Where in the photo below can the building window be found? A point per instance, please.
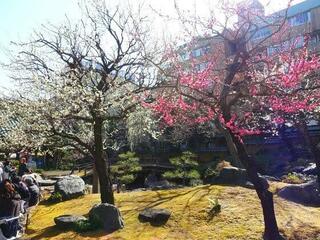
(300, 19)
(261, 33)
(296, 42)
(272, 50)
(197, 52)
(206, 50)
(315, 38)
(185, 56)
(202, 66)
(201, 51)
(278, 48)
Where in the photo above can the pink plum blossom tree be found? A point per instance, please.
(243, 89)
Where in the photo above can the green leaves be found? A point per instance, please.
(187, 159)
(186, 167)
(173, 174)
(193, 174)
(126, 167)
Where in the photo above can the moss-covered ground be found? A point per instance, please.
(240, 218)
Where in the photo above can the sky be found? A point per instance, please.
(19, 18)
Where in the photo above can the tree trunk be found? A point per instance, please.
(231, 147)
(95, 181)
(101, 164)
(45, 161)
(312, 145)
(271, 231)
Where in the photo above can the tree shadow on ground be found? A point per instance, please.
(48, 202)
(46, 233)
(53, 231)
(160, 197)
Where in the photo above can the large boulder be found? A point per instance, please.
(67, 221)
(106, 216)
(232, 175)
(70, 187)
(156, 217)
(238, 176)
(306, 193)
(47, 182)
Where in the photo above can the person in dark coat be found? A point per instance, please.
(22, 189)
(9, 200)
(9, 207)
(8, 170)
(23, 169)
(34, 191)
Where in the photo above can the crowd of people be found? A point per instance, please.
(18, 192)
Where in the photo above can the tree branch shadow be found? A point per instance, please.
(141, 204)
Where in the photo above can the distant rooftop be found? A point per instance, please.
(303, 7)
(293, 10)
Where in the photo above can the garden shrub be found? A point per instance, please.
(126, 168)
(293, 179)
(214, 207)
(55, 198)
(186, 168)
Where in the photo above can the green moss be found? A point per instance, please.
(240, 217)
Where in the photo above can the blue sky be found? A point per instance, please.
(18, 18)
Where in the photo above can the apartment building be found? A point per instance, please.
(199, 51)
(296, 22)
(299, 20)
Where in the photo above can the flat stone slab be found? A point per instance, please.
(155, 217)
(47, 182)
(56, 178)
(67, 221)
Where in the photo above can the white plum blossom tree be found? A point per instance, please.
(80, 82)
